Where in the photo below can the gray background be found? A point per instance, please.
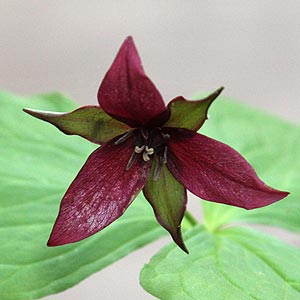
(250, 47)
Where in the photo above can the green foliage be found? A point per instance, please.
(234, 263)
(37, 165)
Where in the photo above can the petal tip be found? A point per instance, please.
(52, 243)
(56, 239)
(129, 38)
(283, 194)
(59, 240)
(272, 197)
(128, 43)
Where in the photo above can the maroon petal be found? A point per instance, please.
(127, 94)
(89, 122)
(216, 172)
(100, 193)
(168, 199)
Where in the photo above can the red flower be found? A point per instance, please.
(147, 146)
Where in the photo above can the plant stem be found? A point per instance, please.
(189, 221)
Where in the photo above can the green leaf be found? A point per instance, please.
(235, 263)
(190, 114)
(37, 165)
(89, 122)
(272, 146)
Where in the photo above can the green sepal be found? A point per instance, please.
(190, 114)
(168, 199)
(89, 122)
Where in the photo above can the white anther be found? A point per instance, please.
(146, 151)
(138, 149)
(149, 150)
(146, 156)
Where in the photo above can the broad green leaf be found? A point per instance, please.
(37, 165)
(272, 146)
(235, 263)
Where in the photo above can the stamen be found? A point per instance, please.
(124, 137)
(138, 149)
(131, 161)
(146, 156)
(165, 155)
(158, 168)
(149, 150)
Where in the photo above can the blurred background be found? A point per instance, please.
(250, 47)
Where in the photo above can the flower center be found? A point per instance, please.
(149, 142)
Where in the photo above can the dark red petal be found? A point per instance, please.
(216, 172)
(100, 193)
(89, 122)
(168, 199)
(127, 94)
(190, 114)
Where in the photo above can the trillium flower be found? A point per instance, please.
(150, 147)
